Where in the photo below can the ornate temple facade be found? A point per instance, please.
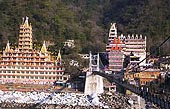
(116, 56)
(26, 65)
(135, 44)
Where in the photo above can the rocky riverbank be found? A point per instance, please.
(44, 106)
(41, 100)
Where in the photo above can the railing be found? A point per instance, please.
(164, 103)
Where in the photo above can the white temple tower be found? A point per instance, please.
(133, 43)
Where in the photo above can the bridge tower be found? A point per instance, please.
(94, 83)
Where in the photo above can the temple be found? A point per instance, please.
(27, 65)
(116, 56)
(120, 46)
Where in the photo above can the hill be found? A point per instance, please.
(86, 21)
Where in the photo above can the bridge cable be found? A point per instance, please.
(157, 63)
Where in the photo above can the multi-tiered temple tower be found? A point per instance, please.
(116, 56)
(135, 44)
(25, 36)
(26, 65)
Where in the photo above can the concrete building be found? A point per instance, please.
(131, 63)
(84, 56)
(69, 43)
(74, 63)
(137, 45)
(143, 77)
(28, 66)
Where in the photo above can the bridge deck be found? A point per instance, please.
(164, 103)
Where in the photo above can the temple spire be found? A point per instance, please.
(26, 21)
(118, 41)
(22, 20)
(59, 57)
(44, 48)
(7, 49)
(113, 31)
(115, 40)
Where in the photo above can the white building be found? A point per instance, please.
(69, 43)
(84, 56)
(135, 44)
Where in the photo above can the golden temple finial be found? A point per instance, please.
(26, 21)
(59, 57)
(7, 49)
(44, 48)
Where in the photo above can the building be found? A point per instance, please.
(135, 44)
(84, 56)
(116, 56)
(29, 66)
(112, 36)
(74, 63)
(131, 63)
(142, 77)
(69, 43)
(164, 63)
(111, 87)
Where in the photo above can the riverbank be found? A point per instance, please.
(42, 100)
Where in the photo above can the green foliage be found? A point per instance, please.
(147, 17)
(86, 21)
(74, 70)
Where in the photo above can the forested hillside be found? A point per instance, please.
(85, 21)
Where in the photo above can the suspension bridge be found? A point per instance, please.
(94, 82)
